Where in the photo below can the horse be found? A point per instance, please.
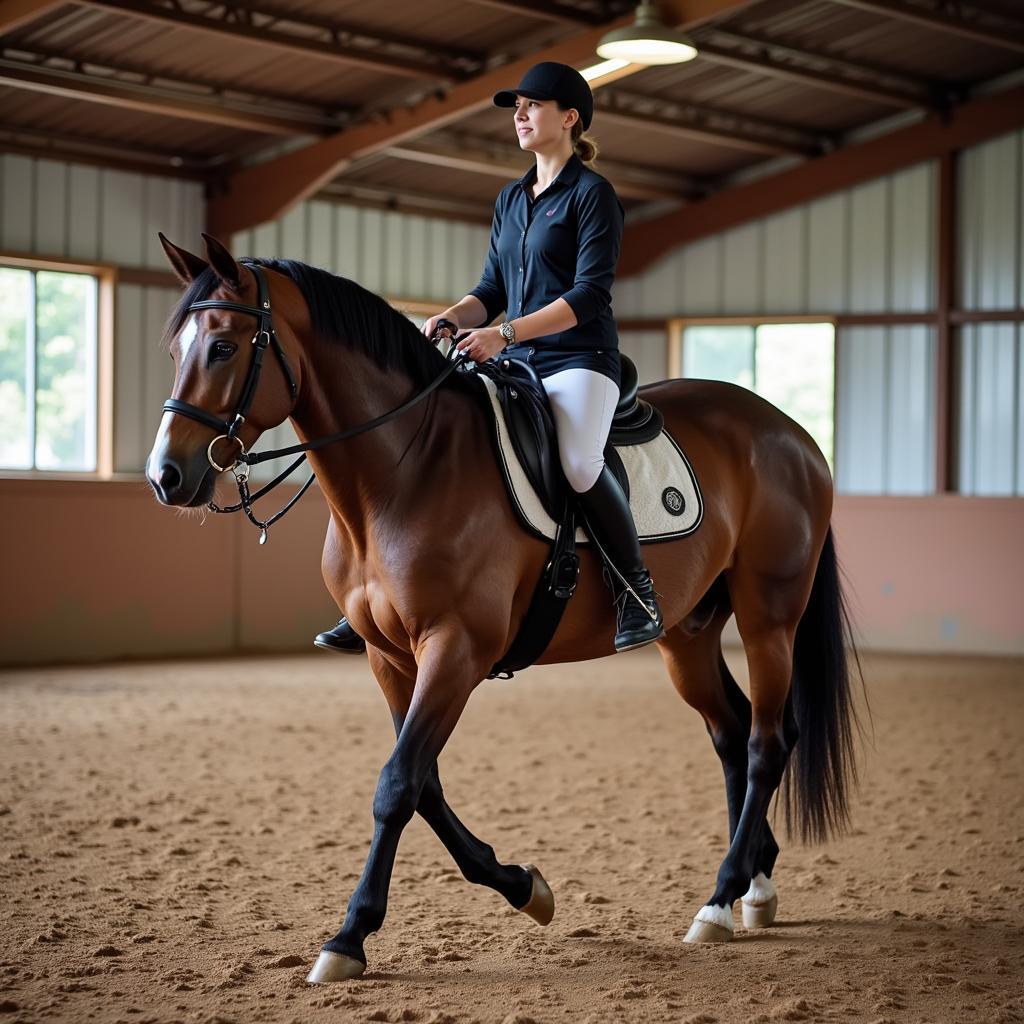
(428, 561)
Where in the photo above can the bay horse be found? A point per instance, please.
(426, 558)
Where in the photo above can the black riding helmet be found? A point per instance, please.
(553, 81)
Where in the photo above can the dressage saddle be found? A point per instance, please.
(531, 429)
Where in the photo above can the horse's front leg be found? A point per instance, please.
(522, 886)
(448, 671)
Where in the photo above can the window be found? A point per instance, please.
(791, 365)
(48, 369)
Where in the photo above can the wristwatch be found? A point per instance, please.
(508, 332)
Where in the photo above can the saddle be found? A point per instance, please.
(531, 428)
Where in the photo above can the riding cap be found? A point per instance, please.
(553, 81)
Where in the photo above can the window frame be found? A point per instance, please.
(106, 287)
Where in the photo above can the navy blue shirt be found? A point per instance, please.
(563, 244)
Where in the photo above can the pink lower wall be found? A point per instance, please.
(99, 570)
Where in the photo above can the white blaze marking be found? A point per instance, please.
(188, 335)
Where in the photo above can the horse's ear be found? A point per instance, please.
(187, 266)
(223, 263)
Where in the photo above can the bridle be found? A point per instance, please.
(264, 338)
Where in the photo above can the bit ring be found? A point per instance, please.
(209, 452)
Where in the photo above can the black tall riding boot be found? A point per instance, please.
(343, 638)
(607, 510)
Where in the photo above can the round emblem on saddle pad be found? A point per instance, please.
(673, 501)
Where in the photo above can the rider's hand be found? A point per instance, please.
(430, 326)
(482, 344)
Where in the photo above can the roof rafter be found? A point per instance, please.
(1007, 38)
(706, 124)
(779, 60)
(334, 42)
(265, 191)
(546, 10)
(458, 151)
(76, 84)
(966, 125)
(15, 14)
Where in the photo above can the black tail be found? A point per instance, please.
(823, 767)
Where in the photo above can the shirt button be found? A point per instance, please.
(520, 270)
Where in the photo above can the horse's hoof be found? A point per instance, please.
(334, 967)
(759, 915)
(712, 924)
(759, 903)
(541, 906)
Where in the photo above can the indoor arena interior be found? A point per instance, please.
(228, 228)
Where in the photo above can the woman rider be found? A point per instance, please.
(554, 245)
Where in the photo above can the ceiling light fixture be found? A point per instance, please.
(647, 40)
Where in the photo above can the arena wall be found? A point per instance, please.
(96, 569)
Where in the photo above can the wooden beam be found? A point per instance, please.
(501, 161)
(542, 9)
(267, 191)
(770, 66)
(151, 99)
(691, 121)
(264, 192)
(1004, 38)
(971, 123)
(433, 70)
(15, 14)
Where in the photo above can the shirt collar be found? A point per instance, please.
(568, 175)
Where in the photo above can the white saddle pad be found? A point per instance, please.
(664, 493)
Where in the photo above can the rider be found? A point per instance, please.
(554, 245)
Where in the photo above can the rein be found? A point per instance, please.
(265, 337)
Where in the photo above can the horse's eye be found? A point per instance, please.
(222, 350)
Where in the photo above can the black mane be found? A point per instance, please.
(343, 311)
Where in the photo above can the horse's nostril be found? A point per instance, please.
(170, 478)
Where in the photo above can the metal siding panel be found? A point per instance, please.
(395, 280)
(293, 235)
(966, 280)
(648, 349)
(192, 209)
(371, 254)
(130, 443)
(83, 212)
(910, 463)
(347, 241)
(741, 290)
(995, 420)
(51, 221)
(658, 295)
(18, 191)
(967, 412)
(439, 267)
(241, 244)
(784, 265)
(862, 428)
(320, 246)
(157, 368)
(828, 253)
(158, 205)
(869, 247)
(121, 218)
(265, 239)
(913, 259)
(417, 256)
(626, 298)
(470, 249)
(703, 278)
(998, 217)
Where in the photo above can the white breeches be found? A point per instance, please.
(583, 403)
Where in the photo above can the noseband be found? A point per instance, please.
(264, 337)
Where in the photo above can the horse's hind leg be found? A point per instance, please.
(703, 680)
(767, 611)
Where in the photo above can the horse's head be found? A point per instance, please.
(234, 377)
